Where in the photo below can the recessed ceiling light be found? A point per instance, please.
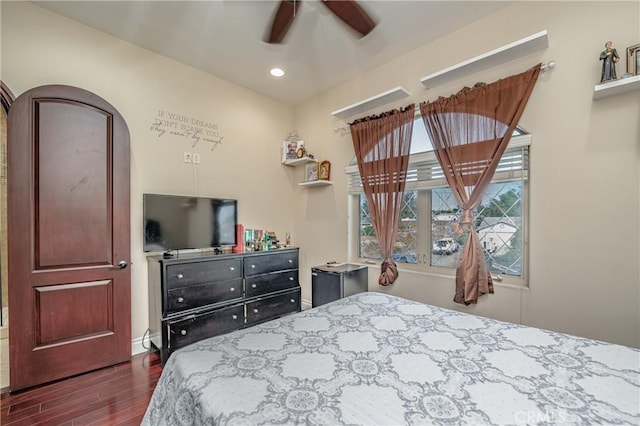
(277, 72)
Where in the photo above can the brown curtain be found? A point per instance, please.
(469, 132)
(382, 145)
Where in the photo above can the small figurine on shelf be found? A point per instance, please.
(609, 57)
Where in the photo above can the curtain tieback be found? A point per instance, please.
(467, 217)
(465, 224)
(388, 272)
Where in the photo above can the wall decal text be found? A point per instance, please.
(192, 129)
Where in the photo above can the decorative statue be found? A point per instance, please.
(609, 57)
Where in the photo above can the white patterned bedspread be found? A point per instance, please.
(374, 359)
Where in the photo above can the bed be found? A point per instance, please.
(376, 359)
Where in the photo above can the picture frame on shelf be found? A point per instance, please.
(311, 171)
(324, 171)
(633, 59)
(301, 152)
(290, 149)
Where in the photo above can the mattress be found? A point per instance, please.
(376, 359)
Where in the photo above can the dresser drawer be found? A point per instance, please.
(196, 273)
(273, 307)
(201, 295)
(208, 324)
(255, 265)
(267, 283)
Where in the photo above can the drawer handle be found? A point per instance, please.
(290, 260)
(253, 266)
(234, 317)
(183, 332)
(180, 276)
(232, 289)
(255, 311)
(293, 300)
(290, 278)
(253, 286)
(180, 299)
(232, 268)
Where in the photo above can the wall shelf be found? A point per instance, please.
(623, 85)
(370, 103)
(319, 182)
(493, 58)
(298, 161)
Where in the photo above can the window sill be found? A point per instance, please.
(443, 273)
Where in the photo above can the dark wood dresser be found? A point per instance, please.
(195, 296)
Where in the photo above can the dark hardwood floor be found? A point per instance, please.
(116, 395)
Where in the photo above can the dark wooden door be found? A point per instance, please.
(68, 230)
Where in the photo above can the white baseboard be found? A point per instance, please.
(136, 346)
(306, 304)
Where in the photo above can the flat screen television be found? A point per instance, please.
(175, 222)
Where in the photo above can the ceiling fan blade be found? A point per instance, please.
(282, 20)
(352, 14)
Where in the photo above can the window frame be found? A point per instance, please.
(423, 247)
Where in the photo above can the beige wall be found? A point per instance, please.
(584, 198)
(40, 47)
(584, 269)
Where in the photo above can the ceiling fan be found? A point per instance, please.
(348, 11)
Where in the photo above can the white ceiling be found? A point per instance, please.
(224, 37)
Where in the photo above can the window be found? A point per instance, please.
(498, 222)
(406, 241)
(425, 241)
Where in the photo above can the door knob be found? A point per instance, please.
(122, 264)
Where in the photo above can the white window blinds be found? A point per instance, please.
(425, 173)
